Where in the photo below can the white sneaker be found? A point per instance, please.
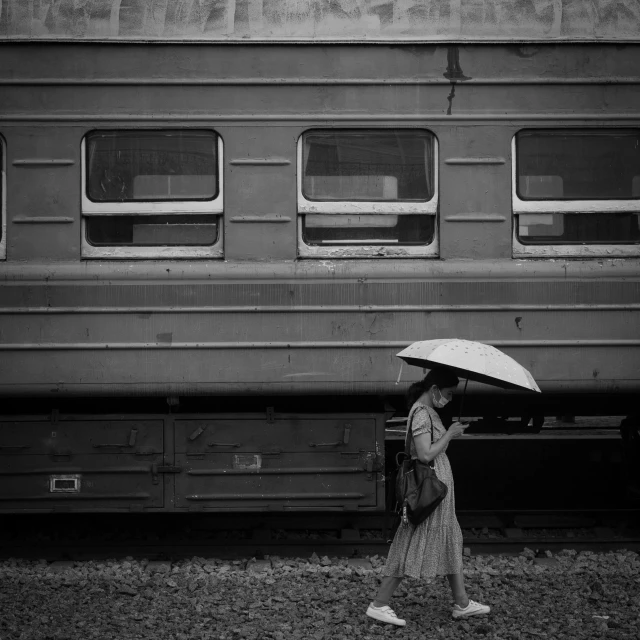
(472, 609)
(385, 614)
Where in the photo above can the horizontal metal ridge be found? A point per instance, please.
(233, 82)
(427, 117)
(96, 275)
(274, 471)
(82, 470)
(270, 217)
(348, 308)
(310, 344)
(314, 41)
(274, 496)
(276, 162)
(42, 220)
(475, 217)
(77, 496)
(44, 162)
(474, 161)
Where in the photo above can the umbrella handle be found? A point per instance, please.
(400, 372)
(464, 392)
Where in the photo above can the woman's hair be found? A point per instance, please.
(440, 376)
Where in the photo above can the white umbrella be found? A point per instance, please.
(470, 360)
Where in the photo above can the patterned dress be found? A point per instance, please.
(434, 547)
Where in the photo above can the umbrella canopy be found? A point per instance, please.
(471, 360)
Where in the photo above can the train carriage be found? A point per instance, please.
(216, 235)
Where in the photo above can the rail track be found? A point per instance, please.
(226, 536)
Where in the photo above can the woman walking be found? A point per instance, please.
(434, 547)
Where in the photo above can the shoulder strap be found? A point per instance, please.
(409, 436)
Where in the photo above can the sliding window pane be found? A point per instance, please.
(578, 165)
(151, 166)
(152, 231)
(368, 165)
(579, 228)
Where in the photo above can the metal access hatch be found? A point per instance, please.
(280, 462)
(80, 464)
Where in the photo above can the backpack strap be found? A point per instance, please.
(409, 435)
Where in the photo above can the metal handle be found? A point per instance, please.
(132, 441)
(223, 444)
(19, 446)
(199, 431)
(345, 439)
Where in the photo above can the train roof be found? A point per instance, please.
(324, 21)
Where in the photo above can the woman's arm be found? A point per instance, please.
(426, 451)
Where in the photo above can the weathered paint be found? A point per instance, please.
(233, 20)
(288, 346)
(249, 322)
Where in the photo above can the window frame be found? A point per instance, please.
(214, 207)
(3, 199)
(570, 207)
(363, 207)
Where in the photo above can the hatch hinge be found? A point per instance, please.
(373, 462)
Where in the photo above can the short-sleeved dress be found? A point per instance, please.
(434, 547)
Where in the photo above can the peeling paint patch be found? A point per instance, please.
(165, 338)
(450, 98)
(518, 321)
(453, 73)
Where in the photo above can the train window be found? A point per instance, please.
(367, 192)
(152, 194)
(576, 192)
(3, 207)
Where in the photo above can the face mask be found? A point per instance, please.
(439, 403)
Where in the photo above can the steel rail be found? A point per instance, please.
(221, 539)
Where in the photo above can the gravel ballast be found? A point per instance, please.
(567, 595)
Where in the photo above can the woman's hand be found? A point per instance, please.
(457, 429)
